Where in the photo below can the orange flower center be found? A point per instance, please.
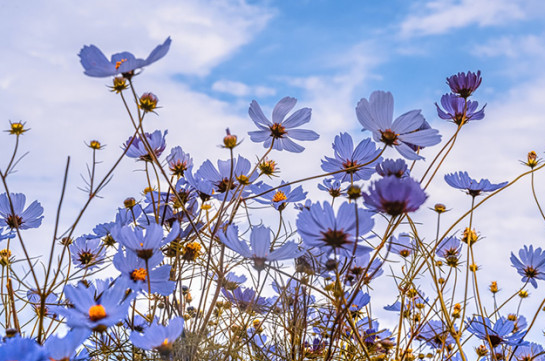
(279, 196)
(97, 312)
(139, 274)
(118, 63)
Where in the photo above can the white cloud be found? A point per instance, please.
(441, 16)
(516, 47)
(242, 90)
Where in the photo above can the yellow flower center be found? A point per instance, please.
(279, 196)
(97, 312)
(139, 274)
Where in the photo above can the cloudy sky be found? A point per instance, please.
(328, 54)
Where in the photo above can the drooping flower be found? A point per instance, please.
(464, 84)
(136, 274)
(158, 337)
(390, 167)
(458, 111)
(531, 265)
(461, 180)
(95, 310)
(376, 115)
(144, 245)
(88, 252)
(138, 150)
(320, 228)
(280, 131)
(19, 218)
(260, 241)
(499, 334)
(395, 196)
(358, 164)
(97, 65)
(280, 197)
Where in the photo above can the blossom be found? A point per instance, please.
(137, 148)
(281, 196)
(449, 249)
(19, 217)
(158, 337)
(459, 110)
(145, 245)
(530, 352)
(65, 348)
(97, 65)
(179, 161)
(246, 300)
(403, 245)
(332, 186)
(376, 115)
(500, 333)
(93, 309)
(358, 266)
(260, 241)
(531, 265)
(320, 228)
(461, 180)
(22, 349)
(390, 167)
(436, 334)
(357, 163)
(87, 253)
(280, 132)
(136, 273)
(395, 196)
(231, 280)
(464, 84)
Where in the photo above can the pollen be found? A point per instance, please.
(178, 168)
(277, 130)
(86, 257)
(118, 63)
(14, 221)
(139, 274)
(279, 196)
(389, 137)
(97, 312)
(268, 167)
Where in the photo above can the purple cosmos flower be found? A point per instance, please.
(320, 228)
(294, 294)
(361, 300)
(390, 167)
(281, 196)
(22, 349)
(457, 111)
(449, 249)
(403, 245)
(95, 310)
(461, 180)
(530, 352)
(436, 334)
(395, 196)
(158, 337)
(138, 150)
(179, 161)
(280, 131)
(34, 299)
(87, 252)
(65, 348)
(97, 65)
(333, 187)
(358, 163)
(20, 218)
(231, 280)
(531, 265)
(260, 241)
(464, 84)
(145, 245)
(246, 300)
(135, 273)
(358, 266)
(500, 334)
(376, 115)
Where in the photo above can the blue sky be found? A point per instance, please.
(328, 54)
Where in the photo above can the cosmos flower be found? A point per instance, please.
(87, 253)
(21, 349)
(499, 334)
(464, 84)
(449, 249)
(390, 167)
(95, 310)
(333, 187)
(179, 161)
(138, 150)
(320, 228)
(281, 131)
(457, 111)
(281, 196)
(461, 180)
(395, 196)
(436, 334)
(260, 241)
(531, 265)
(20, 218)
(65, 348)
(360, 300)
(358, 266)
(352, 160)
(33, 297)
(135, 273)
(231, 280)
(145, 245)
(530, 352)
(97, 65)
(376, 115)
(403, 245)
(246, 300)
(158, 337)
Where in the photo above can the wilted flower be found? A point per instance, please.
(17, 128)
(96, 65)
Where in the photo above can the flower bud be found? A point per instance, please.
(17, 128)
(148, 102)
(119, 84)
(229, 141)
